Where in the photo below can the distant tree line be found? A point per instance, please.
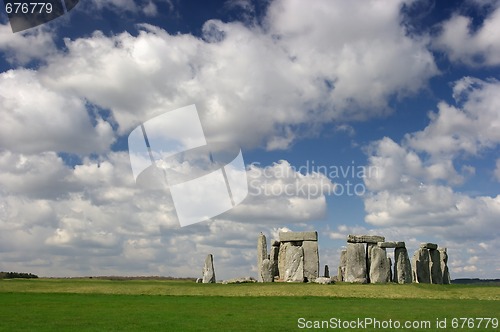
(17, 275)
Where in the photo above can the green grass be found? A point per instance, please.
(103, 305)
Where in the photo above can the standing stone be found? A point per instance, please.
(369, 247)
(327, 272)
(273, 257)
(311, 260)
(208, 270)
(342, 266)
(266, 271)
(294, 270)
(435, 267)
(380, 267)
(421, 264)
(261, 254)
(402, 266)
(355, 263)
(282, 259)
(444, 266)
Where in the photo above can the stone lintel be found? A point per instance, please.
(431, 246)
(298, 236)
(365, 238)
(392, 244)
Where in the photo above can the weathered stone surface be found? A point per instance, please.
(402, 266)
(208, 270)
(282, 259)
(275, 243)
(261, 254)
(342, 266)
(369, 247)
(273, 257)
(380, 267)
(428, 246)
(327, 272)
(298, 236)
(355, 263)
(294, 271)
(435, 267)
(365, 238)
(444, 265)
(390, 269)
(420, 266)
(391, 244)
(266, 271)
(311, 260)
(323, 280)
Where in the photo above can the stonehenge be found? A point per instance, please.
(365, 261)
(430, 265)
(294, 258)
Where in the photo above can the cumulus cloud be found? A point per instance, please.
(23, 47)
(466, 44)
(279, 193)
(94, 213)
(465, 128)
(414, 187)
(36, 118)
(256, 85)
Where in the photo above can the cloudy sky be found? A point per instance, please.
(366, 117)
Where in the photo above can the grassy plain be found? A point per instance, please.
(151, 305)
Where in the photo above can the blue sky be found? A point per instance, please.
(408, 89)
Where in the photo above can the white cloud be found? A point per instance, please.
(253, 85)
(414, 186)
(280, 194)
(463, 43)
(36, 118)
(23, 47)
(467, 128)
(98, 217)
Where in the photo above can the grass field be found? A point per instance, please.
(104, 305)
